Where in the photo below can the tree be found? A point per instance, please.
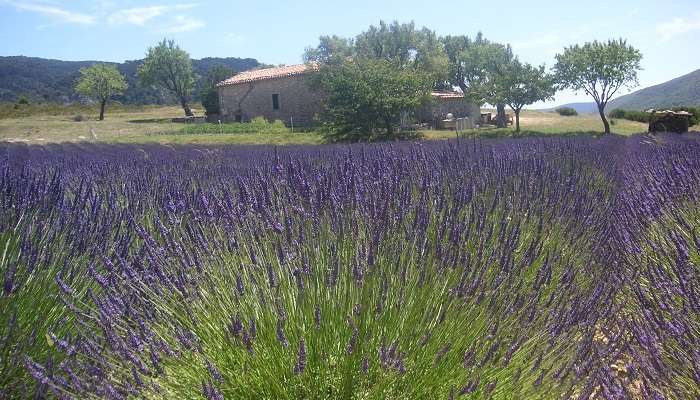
(405, 46)
(170, 67)
(372, 80)
(475, 66)
(365, 99)
(331, 49)
(523, 84)
(100, 82)
(210, 93)
(599, 69)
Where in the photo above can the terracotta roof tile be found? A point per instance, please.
(268, 73)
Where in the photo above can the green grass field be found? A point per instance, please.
(153, 125)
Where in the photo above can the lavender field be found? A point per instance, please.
(539, 268)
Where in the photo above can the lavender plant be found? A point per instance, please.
(530, 268)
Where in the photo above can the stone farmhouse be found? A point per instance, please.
(282, 93)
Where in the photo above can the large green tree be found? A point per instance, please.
(100, 82)
(168, 66)
(372, 80)
(523, 84)
(209, 93)
(600, 69)
(404, 45)
(366, 98)
(330, 49)
(476, 66)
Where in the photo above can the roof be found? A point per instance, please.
(268, 73)
(447, 95)
(682, 113)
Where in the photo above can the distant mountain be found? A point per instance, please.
(581, 108)
(682, 91)
(41, 79)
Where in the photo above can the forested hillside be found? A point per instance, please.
(40, 79)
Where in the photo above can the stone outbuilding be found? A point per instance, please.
(283, 93)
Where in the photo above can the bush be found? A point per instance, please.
(257, 125)
(637, 116)
(566, 111)
(78, 118)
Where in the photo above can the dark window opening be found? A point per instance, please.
(275, 101)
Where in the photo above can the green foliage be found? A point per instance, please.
(599, 69)
(43, 80)
(402, 44)
(567, 112)
(100, 82)
(331, 49)
(23, 101)
(169, 67)
(209, 93)
(477, 67)
(257, 125)
(373, 79)
(405, 46)
(366, 98)
(630, 115)
(32, 308)
(519, 84)
(644, 117)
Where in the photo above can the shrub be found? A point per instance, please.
(257, 125)
(23, 101)
(630, 115)
(78, 118)
(566, 111)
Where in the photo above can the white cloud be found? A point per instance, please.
(678, 27)
(56, 13)
(181, 23)
(140, 16)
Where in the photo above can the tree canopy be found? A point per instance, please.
(101, 82)
(523, 84)
(367, 98)
(600, 69)
(372, 80)
(209, 93)
(169, 67)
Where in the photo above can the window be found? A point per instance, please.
(275, 101)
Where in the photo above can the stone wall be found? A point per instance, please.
(298, 103)
(245, 101)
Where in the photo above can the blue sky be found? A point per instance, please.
(667, 32)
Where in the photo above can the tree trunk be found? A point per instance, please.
(517, 120)
(501, 121)
(102, 109)
(186, 107)
(606, 124)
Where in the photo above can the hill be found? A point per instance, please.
(41, 79)
(682, 91)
